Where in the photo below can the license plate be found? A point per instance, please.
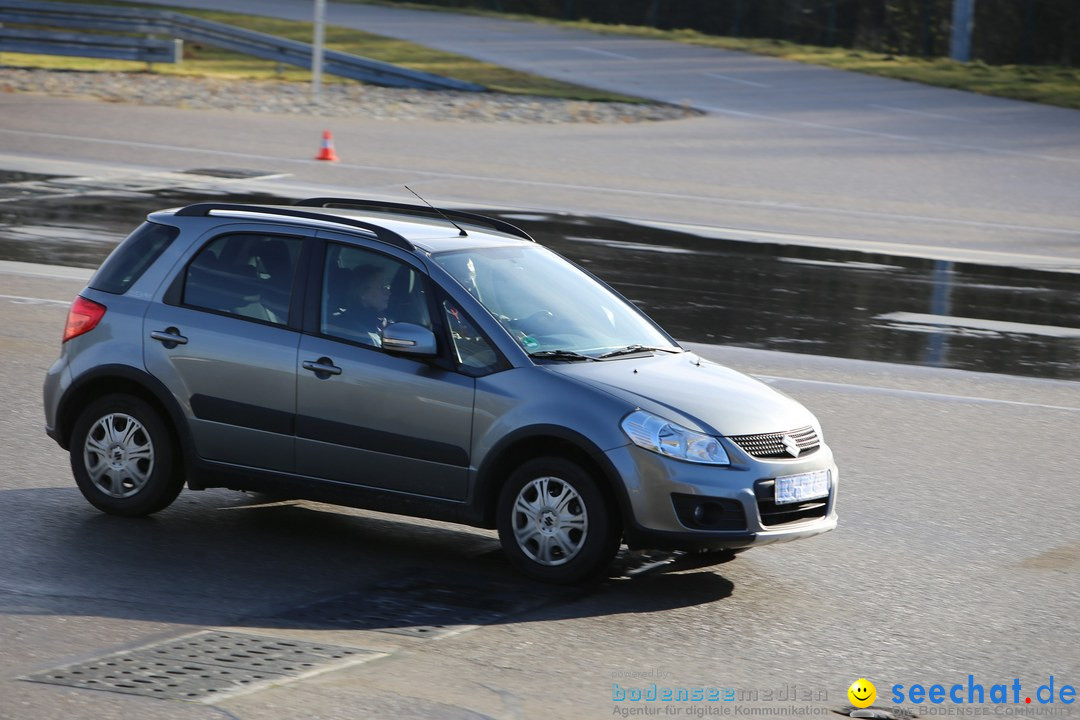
(807, 486)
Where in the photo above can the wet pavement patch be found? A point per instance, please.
(17, 176)
(77, 221)
(831, 302)
(228, 173)
(206, 666)
(770, 296)
(425, 605)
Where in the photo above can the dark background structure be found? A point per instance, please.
(1030, 32)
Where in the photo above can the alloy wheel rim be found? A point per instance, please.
(550, 521)
(118, 455)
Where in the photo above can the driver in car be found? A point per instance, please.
(369, 295)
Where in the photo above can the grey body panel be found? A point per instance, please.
(235, 379)
(116, 341)
(411, 434)
(385, 421)
(694, 392)
(540, 397)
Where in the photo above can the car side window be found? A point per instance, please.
(132, 257)
(364, 291)
(248, 275)
(471, 349)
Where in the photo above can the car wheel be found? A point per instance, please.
(123, 458)
(554, 523)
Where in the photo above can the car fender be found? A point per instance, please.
(120, 378)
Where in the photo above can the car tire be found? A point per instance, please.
(554, 522)
(123, 457)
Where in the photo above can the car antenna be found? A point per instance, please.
(461, 230)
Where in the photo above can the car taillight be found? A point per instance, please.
(83, 317)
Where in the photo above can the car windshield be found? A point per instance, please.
(553, 309)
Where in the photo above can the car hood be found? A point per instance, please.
(688, 389)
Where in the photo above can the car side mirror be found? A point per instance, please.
(409, 339)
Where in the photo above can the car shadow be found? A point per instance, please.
(219, 558)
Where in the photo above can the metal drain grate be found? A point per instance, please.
(205, 666)
(423, 606)
(252, 653)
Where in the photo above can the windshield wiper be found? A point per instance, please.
(634, 350)
(559, 355)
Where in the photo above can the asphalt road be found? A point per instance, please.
(957, 554)
(787, 147)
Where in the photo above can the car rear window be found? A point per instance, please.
(129, 260)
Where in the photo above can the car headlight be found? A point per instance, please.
(667, 438)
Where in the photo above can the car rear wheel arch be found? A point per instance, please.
(124, 380)
(123, 456)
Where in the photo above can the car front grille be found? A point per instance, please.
(771, 445)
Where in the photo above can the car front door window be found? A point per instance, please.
(364, 291)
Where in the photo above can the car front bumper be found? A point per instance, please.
(674, 505)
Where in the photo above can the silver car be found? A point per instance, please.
(431, 363)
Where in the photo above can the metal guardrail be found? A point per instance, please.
(85, 17)
(192, 29)
(113, 47)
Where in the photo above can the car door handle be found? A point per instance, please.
(171, 337)
(323, 367)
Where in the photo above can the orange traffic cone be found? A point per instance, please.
(326, 149)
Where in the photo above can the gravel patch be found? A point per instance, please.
(339, 100)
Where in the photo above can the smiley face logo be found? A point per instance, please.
(862, 693)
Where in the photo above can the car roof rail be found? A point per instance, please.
(384, 234)
(407, 209)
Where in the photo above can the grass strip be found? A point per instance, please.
(206, 61)
(1046, 84)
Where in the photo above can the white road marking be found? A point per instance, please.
(718, 76)
(567, 186)
(915, 393)
(55, 272)
(932, 252)
(937, 116)
(1000, 326)
(608, 53)
(21, 300)
(889, 136)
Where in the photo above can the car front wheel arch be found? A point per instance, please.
(495, 473)
(555, 522)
